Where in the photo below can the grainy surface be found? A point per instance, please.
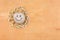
(44, 20)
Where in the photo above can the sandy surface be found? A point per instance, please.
(44, 20)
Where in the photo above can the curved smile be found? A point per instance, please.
(18, 19)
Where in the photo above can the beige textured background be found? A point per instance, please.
(44, 20)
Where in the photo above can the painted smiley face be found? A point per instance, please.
(19, 17)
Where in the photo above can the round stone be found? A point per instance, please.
(19, 18)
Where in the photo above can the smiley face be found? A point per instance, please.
(19, 18)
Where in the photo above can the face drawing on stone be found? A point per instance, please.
(19, 18)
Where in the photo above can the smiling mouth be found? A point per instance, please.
(19, 19)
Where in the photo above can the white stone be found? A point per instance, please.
(19, 17)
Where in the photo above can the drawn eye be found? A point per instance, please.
(19, 15)
(16, 15)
